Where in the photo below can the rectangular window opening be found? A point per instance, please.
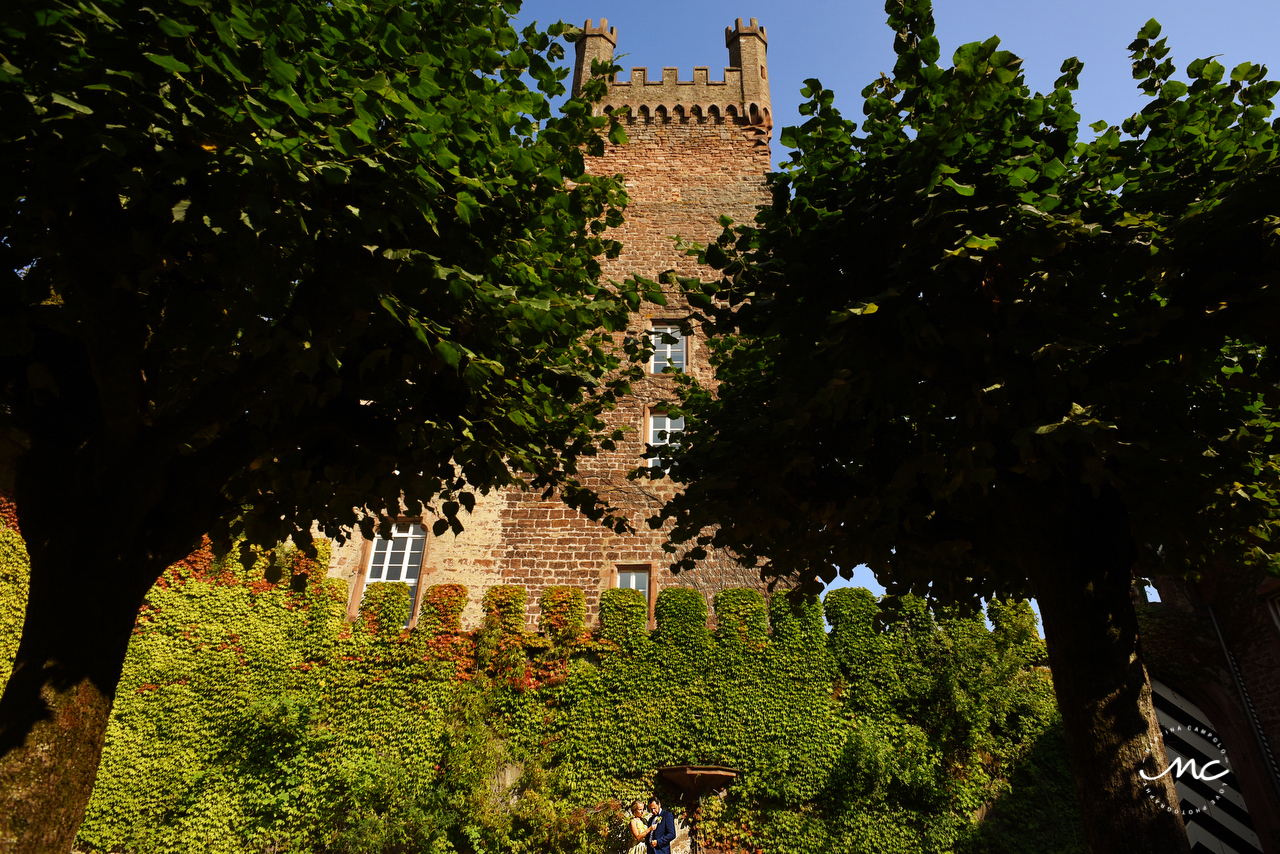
(630, 578)
(669, 348)
(662, 430)
(400, 558)
(640, 578)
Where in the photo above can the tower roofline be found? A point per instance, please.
(743, 92)
(732, 34)
(608, 32)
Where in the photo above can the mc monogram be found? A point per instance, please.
(1200, 783)
(1178, 766)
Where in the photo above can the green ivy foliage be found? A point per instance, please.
(563, 614)
(386, 609)
(442, 607)
(504, 607)
(14, 569)
(252, 717)
(14, 572)
(624, 618)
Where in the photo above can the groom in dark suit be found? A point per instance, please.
(664, 828)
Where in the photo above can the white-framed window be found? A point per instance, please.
(639, 578)
(662, 430)
(634, 578)
(670, 348)
(399, 558)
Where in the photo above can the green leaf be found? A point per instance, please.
(177, 29)
(243, 27)
(716, 256)
(1150, 30)
(390, 305)
(929, 50)
(290, 97)
(179, 210)
(962, 189)
(986, 242)
(617, 134)
(1243, 71)
(343, 140)
(280, 71)
(67, 102)
(419, 331)
(467, 207)
(168, 63)
(1024, 174)
(361, 129)
(449, 353)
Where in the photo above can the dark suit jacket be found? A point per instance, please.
(664, 831)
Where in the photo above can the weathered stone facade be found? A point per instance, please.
(696, 151)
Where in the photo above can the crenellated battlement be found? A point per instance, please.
(742, 97)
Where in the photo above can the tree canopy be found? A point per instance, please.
(987, 355)
(324, 249)
(966, 302)
(266, 264)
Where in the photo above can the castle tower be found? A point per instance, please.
(697, 150)
(747, 49)
(595, 43)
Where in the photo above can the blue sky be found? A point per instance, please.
(846, 45)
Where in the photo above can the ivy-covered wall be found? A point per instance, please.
(252, 718)
(14, 569)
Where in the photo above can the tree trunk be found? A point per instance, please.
(1082, 579)
(54, 710)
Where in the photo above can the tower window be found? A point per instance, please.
(632, 578)
(639, 578)
(669, 348)
(663, 429)
(400, 558)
